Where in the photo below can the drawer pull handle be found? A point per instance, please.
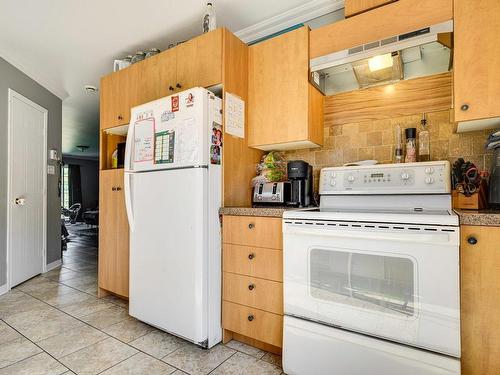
(178, 86)
(464, 107)
(250, 318)
(251, 287)
(251, 256)
(171, 88)
(472, 240)
(251, 226)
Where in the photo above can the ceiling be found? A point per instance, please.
(67, 44)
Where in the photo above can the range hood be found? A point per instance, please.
(419, 53)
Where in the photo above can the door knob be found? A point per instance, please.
(251, 256)
(250, 318)
(251, 226)
(251, 287)
(472, 240)
(19, 201)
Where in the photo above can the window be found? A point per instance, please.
(65, 186)
(375, 282)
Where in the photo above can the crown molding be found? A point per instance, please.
(303, 13)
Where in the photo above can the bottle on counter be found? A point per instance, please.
(209, 19)
(411, 145)
(398, 150)
(424, 151)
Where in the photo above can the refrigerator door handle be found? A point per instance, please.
(128, 200)
(128, 148)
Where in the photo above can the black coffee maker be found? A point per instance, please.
(300, 177)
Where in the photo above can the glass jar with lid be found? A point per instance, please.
(152, 52)
(139, 56)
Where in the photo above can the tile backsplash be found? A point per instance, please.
(376, 140)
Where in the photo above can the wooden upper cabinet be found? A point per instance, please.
(280, 95)
(480, 300)
(195, 63)
(476, 59)
(353, 7)
(199, 61)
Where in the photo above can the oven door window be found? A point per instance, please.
(374, 282)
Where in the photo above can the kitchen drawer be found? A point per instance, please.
(254, 323)
(253, 261)
(252, 291)
(253, 231)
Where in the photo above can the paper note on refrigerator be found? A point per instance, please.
(235, 115)
(143, 140)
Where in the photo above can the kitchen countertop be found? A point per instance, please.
(467, 217)
(255, 211)
(479, 217)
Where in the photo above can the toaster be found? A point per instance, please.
(272, 193)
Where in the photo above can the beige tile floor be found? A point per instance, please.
(55, 324)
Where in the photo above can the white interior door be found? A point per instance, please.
(27, 188)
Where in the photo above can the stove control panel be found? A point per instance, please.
(409, 178)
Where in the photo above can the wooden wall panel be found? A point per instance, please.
(427, 94)
(238, 159)
(392, 19)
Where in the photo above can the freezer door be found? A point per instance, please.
(170, 132)
(169, 251)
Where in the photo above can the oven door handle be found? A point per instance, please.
(406, 237)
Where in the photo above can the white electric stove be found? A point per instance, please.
(371, 278)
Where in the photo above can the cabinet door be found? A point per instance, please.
(476, 56)
(480, 299)
(353, 7)
(122, 239)
(199, 61)
(167, 66)
(113, 234)
(278, 97)
(109, 101)
(107, 228)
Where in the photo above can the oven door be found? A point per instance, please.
(399, 282)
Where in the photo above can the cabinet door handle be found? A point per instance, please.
(251, 226)
(464, 107)
(472, 240)
(118, 188)
(120, 117)
(250, 318)
(113, 188)
(178, 85)
(251, 256)
(251, 287)
(170, 88)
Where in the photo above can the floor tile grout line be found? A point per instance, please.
(38, 346)
(227, 359)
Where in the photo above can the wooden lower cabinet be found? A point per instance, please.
(113, 234)
(252, 307)
(480, 299)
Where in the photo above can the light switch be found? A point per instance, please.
(51, 169)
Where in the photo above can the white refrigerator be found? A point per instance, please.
(173, 194)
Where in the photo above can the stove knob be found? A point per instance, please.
(429, 180)
(332, 182)
(405, 176)
(350, 178)
(429, 170)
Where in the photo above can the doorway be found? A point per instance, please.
(27, 189)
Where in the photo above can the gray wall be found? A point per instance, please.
(89, 173)
(13, 78)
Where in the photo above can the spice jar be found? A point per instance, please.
(411, 145)
(139, 56)
(152, 52)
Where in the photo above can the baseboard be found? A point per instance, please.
(51, 266)
(4, 289)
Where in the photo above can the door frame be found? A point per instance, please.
(11, 95)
